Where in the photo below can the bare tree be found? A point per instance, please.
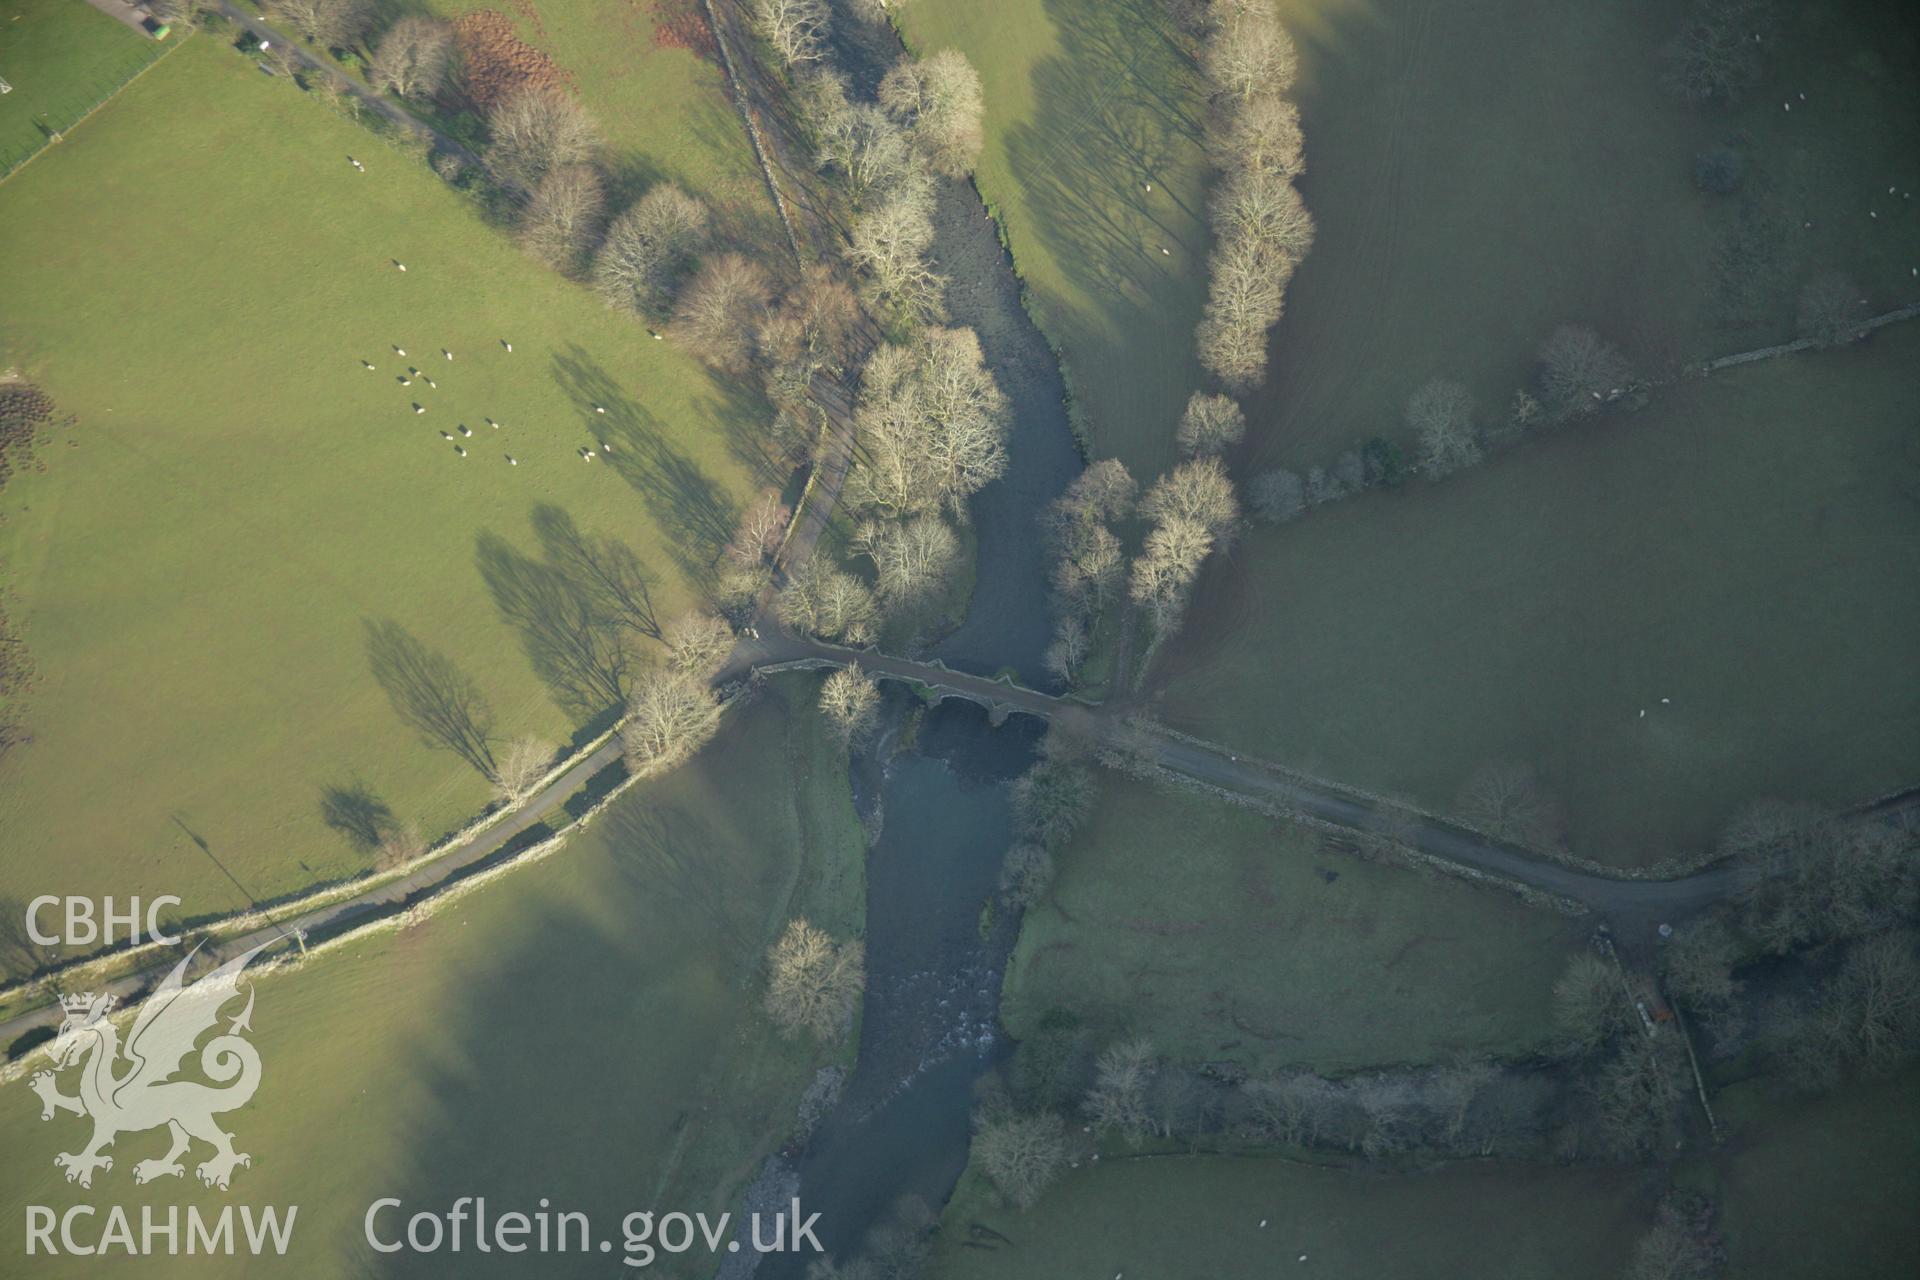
(1589, 1004)
(398, 847)
(939, 100)
(670, 715)
(850, 699)
(1505, 799)
(1716, 55)
(1698, 964)
(563, 219)
(1579, 371)
(1278, 496)
(649, 249)
(523, 765)
(1198, 491)
(1262, 208)
(932, 425)
(333, 24)
(797, 29)
(1105, 491)
(1118, 1100)
(912, 559)
(814, 983)
(1634, 1095)
(1072, 641)
(1052, 798)
(535, 131)
(413, 57)
(1210, 425)
(862, 144)
(1021, 1155)
(746, 565)
(1262, 135)
(1831, 310)
(1086, 569)
(1245, 299)
(812, 329)
(720, 310)
(698, 645)
(826, 602)
(1870, 1012)
(1441, 416)
(1247, 53)
(1674, 1248)
(889, 247)
(1164, 571)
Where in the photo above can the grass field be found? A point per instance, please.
(1463, 216)
(1745, 548)
(1185, 1216)
(1223, 934)
(1825, 1189)
(197, 275)
(62, 59)
(585, 1029)
(1089, 102)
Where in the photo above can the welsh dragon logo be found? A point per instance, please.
(130, 1088)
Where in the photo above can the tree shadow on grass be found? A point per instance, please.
(1117, 113)
(575, 649)
(606, 571)
(431, 694)
(352, 809)
(694, 514)
(666, 853)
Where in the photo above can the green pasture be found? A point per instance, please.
(62, 59)
(1222, 934)
(1821, 1188)
(585, 1029)
(196, 276)
(1181, 1216)
(1738, 562)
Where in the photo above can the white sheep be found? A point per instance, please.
(507, 345)
(460, 450)
(448, 354)
(512, 461)
(465, 430)
(419, 408)
(599, 408)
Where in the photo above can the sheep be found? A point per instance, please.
(493, 424)
(512, 461)
(448, 354)
(507, 345)
(401, 265)
(465, 430)
(405, 381)
(605, 447)
(418, 407)
(430, 382)
(599, 408)
(461, 450)
(446, 435)
(400, 351)
(367, 365)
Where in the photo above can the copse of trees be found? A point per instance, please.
(1261, 227)
(1088, 562)
(534, 131)
(721, 309)
(1021, 1153)
(562, 221)
(932, 425)
(649, 249)
(912, 559)
(938, 101)
(1194, 510)
(830, 603)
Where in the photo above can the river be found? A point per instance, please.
(930, 1022)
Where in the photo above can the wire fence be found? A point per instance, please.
(26, 136)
